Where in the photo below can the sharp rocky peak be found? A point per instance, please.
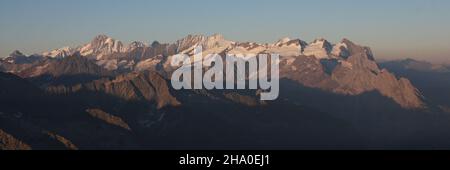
(100, 46)
(104, 39)
(357, 49)
(101, 37)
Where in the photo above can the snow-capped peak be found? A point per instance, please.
(189, 41)
(59, 53)
(320, 41)
(340, 50)
(282, 41)
(216, 41)
(100, 46)
(320, 48)
(207, 42)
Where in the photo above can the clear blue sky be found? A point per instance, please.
(393, 28)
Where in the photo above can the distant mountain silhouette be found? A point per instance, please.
(433, 80)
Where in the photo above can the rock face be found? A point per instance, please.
(340, 50)
(100, 46)
(352, 75)
(111, 119)
(67, 143)
(148, 86)
(8, 142)
(432, 79)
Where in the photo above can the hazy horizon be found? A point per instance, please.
(402, 29)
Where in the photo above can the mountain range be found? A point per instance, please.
(343, 68)
(105, 94)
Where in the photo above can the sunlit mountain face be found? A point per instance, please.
(105, 94)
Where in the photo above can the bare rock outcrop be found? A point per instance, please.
(108, 118)
(9, 142)
(353, 75)
(146, 86)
